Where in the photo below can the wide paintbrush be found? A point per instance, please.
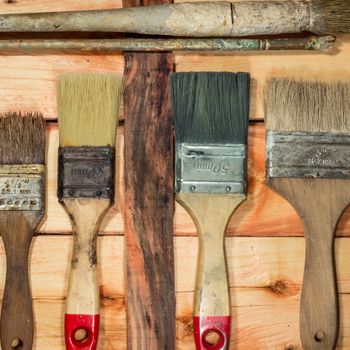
(88, 106)
(211, 112)
(308, 154)
(22, 207)
(197, 19)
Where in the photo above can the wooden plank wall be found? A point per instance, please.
(265, 245)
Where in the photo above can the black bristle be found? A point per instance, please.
(211, 107)
(22, 138)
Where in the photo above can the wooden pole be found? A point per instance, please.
(149, 202)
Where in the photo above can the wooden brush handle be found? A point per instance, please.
(320, 203)
(211, 213)
(83, 299)
(201, 19)
(17, 328)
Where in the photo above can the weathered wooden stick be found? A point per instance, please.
(130, 44)
(202, 19)
(149, 199)
(149, 202)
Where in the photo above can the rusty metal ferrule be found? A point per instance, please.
(86, 172)
(22, 187)
(307, 155)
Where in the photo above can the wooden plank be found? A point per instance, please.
(265, 278)
(23, 6)
(265, 213)
(32, 86)
(28, 83)
(149, 203)
(268, 327)
(149, 198)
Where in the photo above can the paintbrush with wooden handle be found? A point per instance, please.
(23, 46)
(22, 207)
(308, 154)
(88, 106)
(199, 19)
(211, 112)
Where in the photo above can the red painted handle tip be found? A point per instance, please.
(81, 331)
(212, 332)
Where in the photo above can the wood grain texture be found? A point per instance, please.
(211, 213)
(149, 199)
(83, 292)
(17, 323)
(23, 6)
(265, 277)
(319, 202)
(32, 86)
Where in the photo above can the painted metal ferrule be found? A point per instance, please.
(22, 187)
(86, 172)
(220, 169)
(307, 155)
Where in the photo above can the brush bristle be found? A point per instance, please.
(22, 138)
(307, 106)
(211, 107)
(330, 16)
(88, 106)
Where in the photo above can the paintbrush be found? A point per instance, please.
(211, 112)
(308, 153)
(88, 106)
(22, 207)
(199, 19)
(323, 43)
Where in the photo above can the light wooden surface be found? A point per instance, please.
(265, 281)
(265, 273)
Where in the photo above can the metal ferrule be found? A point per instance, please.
(22, 187)
(86, 172)
(211, 168)
(301, 154)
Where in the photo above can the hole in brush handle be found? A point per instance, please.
(212, 332)
(320, 336)
(81, 331)
(17, 344)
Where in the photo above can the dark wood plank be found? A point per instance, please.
(149, 208)
(149, 200)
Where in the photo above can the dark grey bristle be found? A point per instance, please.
(22, 138)
(330, 16)
(211, 107)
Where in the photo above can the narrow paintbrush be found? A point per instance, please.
(88, 107)
(22, 46)
(22, 207)
(308, 153)
(211, 120)
(196, 19)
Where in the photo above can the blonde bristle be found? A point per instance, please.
(88, 106)
(307, 106)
